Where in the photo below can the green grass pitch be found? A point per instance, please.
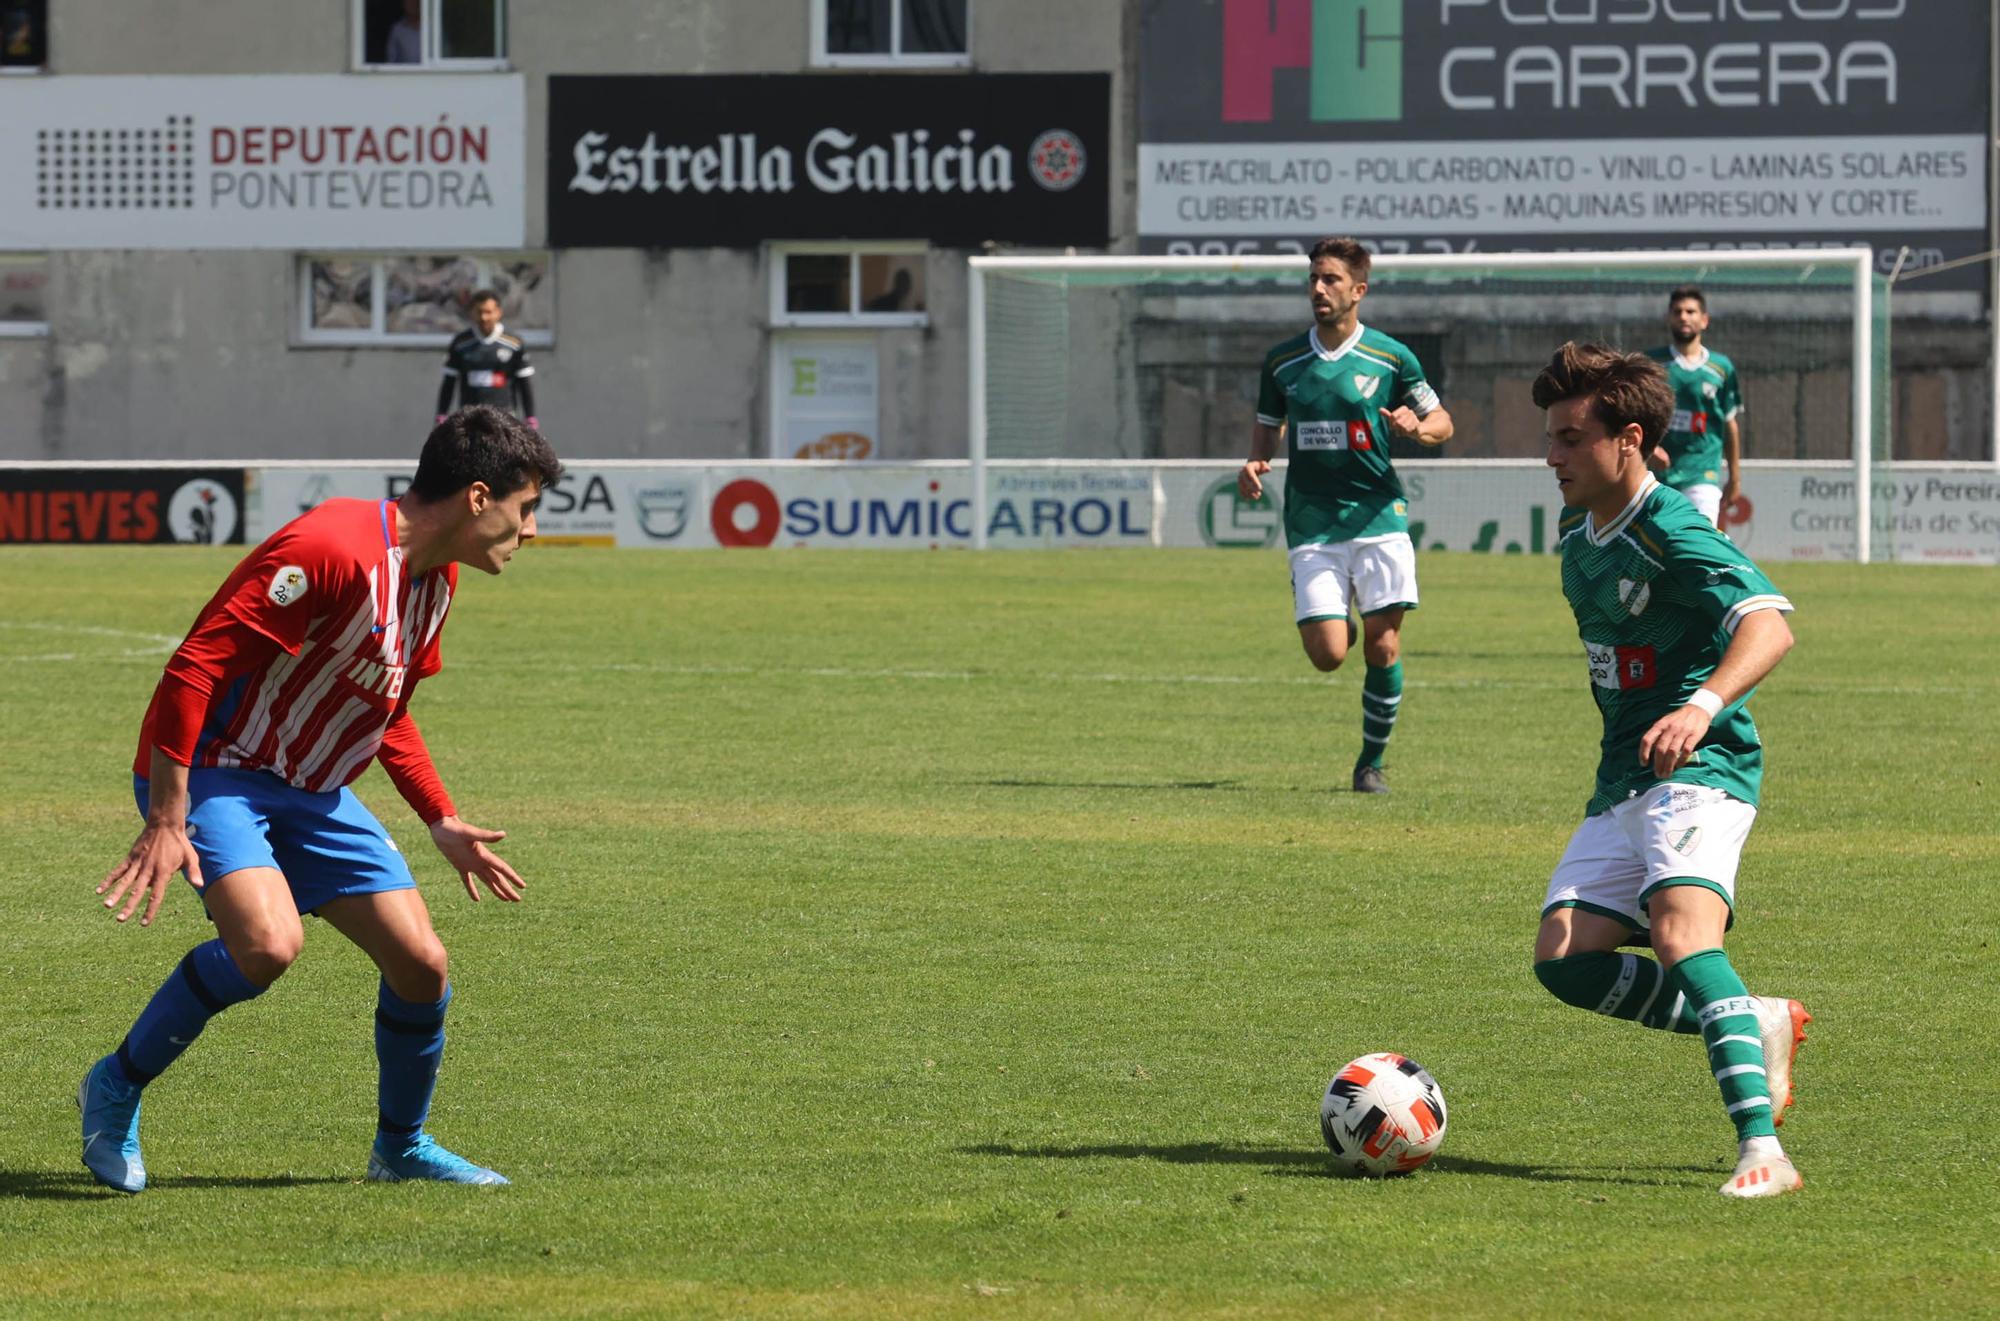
(972, 935)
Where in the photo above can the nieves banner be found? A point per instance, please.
(262, 162)
(662, 162)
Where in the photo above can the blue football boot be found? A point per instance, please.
(420, 1157)
(110, 1108)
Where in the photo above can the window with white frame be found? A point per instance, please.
(24, 283)
(429, 34)
(366, 299)
(24, 35)
(874, 284)
(918, 33)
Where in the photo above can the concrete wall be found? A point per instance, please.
(659, 354)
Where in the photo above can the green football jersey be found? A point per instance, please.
(1657, 594)
(1339, 483)
(1706, 395)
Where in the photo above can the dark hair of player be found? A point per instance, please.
(1347, 252)
(482, 296)
(483, 444)
(1623, 388)
(1687, 291)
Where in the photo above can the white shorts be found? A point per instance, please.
(1616, 859)
(1706, 498)
(1382, 570)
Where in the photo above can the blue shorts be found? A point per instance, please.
(327, 844)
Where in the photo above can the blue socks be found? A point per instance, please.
(409, 1044)
(206, 983)
(409, 1037)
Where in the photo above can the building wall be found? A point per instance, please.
(658, 353)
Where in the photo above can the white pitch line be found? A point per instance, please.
(1234, 680)
(160, 644)
(164, 643)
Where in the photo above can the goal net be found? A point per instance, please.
(1154, 360)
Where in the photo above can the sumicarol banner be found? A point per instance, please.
(1537, 125)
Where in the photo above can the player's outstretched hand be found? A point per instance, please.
(159, 852)
(1250, 479)
(1670, 743)
(464, 847)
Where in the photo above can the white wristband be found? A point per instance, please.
(1710, 704)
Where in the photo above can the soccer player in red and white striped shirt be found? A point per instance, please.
(297, 674)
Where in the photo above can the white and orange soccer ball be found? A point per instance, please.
(1382, 1115)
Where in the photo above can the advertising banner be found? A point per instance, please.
(917, 506)
(642, 161)
(1789, 511)
(121, 505)
(347, 161)
(1475, 125)
(827, 395)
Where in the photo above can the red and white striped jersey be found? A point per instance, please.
(354, 630)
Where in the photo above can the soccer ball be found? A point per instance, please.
(1382, 1115)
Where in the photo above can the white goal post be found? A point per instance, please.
(1850, 269)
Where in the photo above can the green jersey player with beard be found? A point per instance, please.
(1338, 393)
(1678, 628)
(1703, 448)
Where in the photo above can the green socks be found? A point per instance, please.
(1617, 985)
(1735, 1043)
(1381, 694)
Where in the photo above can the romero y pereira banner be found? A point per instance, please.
(1492, 125)
(348, 161)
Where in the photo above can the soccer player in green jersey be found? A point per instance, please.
(1704, 442)
(1338, 392)
(1678, 628)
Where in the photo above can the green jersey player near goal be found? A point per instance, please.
(1703, 446)
(1678, 628)
(1338, 393)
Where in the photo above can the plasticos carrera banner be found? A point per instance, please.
(1789, 511)
(1495, 125)
(121, 506)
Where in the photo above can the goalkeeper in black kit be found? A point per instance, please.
(486, 365)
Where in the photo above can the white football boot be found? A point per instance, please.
(1762, 1171)
(1782, 1023)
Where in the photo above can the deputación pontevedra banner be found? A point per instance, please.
(278, 161)
(640, 161)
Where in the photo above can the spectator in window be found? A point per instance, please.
(895, 297)
(486, 365)
(406, 37)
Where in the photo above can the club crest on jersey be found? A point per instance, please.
(1686, 841)
(1366, 384)
(1634, 596)
(287, 585)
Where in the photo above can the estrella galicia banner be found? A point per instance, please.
(1472, 125)
(200, 506)
(643, 161)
